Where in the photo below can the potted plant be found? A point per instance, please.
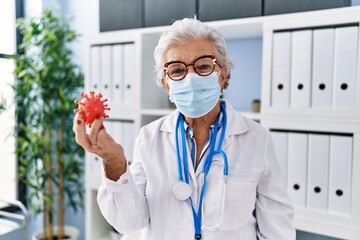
(255, 105)
(46, 83)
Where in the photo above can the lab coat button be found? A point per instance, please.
(124, 181)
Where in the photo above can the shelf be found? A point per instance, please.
(327, 224)
(315, 124)
(156, 111)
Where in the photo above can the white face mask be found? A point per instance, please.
(195, 95)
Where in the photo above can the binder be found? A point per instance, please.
(109, 126)
(106, 72)
(322, 68)
(118, 132)
(94, 68)
(117, 87)
(318, 172)
(346, 42)
(129, 138)
(123, 132)
(340, 175)
(280, 84)
(280, 140)
(300, 83)
(297, 150)
(95, 164)
(129, 73)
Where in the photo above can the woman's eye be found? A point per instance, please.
(203, 67)
(177, 71)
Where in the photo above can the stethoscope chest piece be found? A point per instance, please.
(182, 190)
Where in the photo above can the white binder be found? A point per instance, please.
(297, 149)
(109, 127)
(129, 138)
(117, 74)
(106, 72)
(94, 69)
(280, 140)
(281, 56)
(323, 67)
(300, 83)
(129, 73)
(346, 42)
(340, 174)
(95, 164)
(123, 133)
(118, 132)
(318, 172)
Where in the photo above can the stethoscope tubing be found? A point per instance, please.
(183, 171)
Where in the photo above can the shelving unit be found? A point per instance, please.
(149, 102)
(340, 214)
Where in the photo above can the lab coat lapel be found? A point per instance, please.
(236, 124)
(169, 126)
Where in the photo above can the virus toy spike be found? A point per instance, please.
(92, 107)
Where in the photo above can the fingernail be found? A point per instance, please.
(102, 127)
(97, 116)
(78, 122)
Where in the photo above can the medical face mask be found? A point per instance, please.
(195, 95)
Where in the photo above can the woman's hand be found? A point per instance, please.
(99, 142)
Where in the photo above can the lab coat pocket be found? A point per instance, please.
(232, 208)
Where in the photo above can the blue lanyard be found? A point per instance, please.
(197, 216)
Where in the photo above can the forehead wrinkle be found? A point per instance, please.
(190, 50)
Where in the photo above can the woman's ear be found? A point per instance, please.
(165, 84)
(223, 77)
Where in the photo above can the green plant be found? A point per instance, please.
(2, 104)
(46, 82)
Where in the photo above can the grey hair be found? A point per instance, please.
(189, 29)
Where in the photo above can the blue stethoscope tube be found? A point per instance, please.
(183, 171)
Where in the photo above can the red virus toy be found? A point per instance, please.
(92, 107)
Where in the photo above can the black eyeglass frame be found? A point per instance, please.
(191, 64)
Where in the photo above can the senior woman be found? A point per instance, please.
(202, 172)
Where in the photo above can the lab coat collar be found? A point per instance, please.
(236, 123)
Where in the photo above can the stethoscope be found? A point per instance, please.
(181, 189)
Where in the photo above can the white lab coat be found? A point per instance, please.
(256, 205)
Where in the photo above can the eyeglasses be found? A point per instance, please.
(203, 66)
